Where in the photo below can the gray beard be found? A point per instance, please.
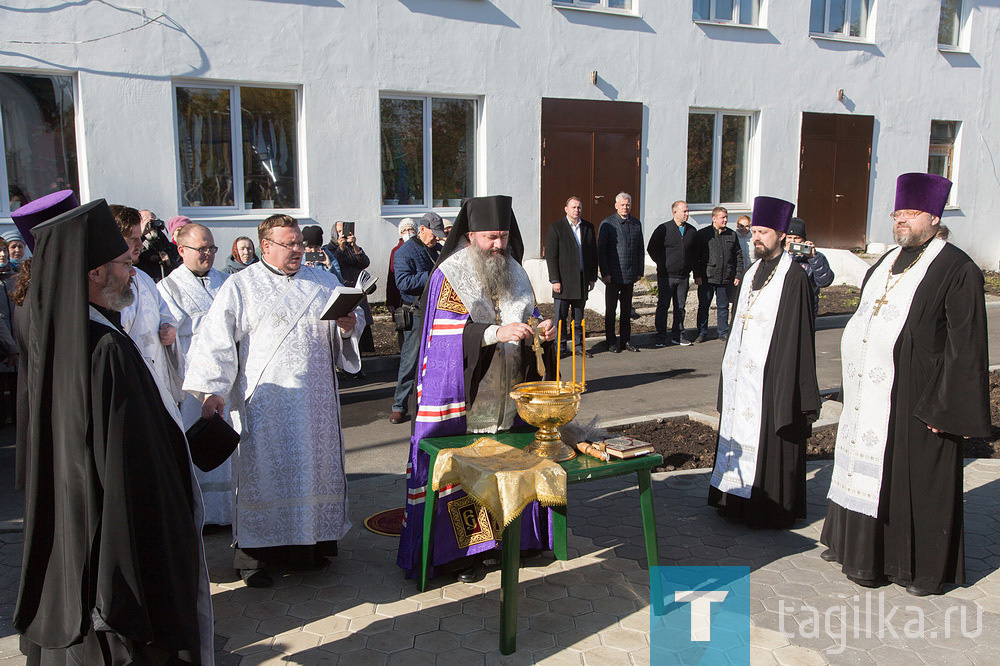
(492, 270)
(118, 296)
(909, 240)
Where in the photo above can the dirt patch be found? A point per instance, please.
(992, 283)
(839, 299)
(687, 444)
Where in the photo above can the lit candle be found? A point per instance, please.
(583, 378)
(558, 352)
(573, 340)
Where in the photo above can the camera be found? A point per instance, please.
(800, 248)
(314, 257)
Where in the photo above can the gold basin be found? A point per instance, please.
(547, 406)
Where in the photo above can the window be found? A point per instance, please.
(249, 163)
(622, 5)
(428, 151)
(950, 26)
(718, 160)
(840, 18)
(742, 12)
(38, 135)
(941, 156)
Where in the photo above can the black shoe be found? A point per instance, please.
(614, 349)
(661, 345)
(256, 578)
(699, 339)
(629, 347)
(723, 337)
(398, 417)
(471, 575)
(588, 354)
(564, 353)
(828, 555)
(917, 591)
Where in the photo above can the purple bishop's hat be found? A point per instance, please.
(925, 192)
(33, 213)
(772, 213)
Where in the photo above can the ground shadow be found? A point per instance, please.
(640, 379)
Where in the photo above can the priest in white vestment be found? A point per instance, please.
(768, 395)
(147, 320)
(188, 292)
(264, 350)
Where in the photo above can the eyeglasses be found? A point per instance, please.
(211, 249)
(295, 247)
(905, 215)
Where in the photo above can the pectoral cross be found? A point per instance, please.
(879, 303)
(746, 317)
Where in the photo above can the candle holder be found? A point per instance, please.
(547, 406)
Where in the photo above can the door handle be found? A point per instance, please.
(597, 198)
(838, 197)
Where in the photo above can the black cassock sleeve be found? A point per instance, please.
(956, 398)
(145, 566)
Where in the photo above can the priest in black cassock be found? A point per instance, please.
(768, 396)
(114, 570)
(916, 381)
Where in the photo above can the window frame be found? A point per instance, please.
(846, 34)
(239, 209)
(735, 21)
(962, 44)
(633, 10)
(406, 210)
(5, 212)
(953, 176)
(716, 175)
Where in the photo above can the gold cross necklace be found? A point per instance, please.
(879, 302)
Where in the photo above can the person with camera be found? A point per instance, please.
(412, 266)
(353, 260)
(316, 255)
(407, 229)
(158, 256)
(813, 262)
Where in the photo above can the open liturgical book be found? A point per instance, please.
(345, 299)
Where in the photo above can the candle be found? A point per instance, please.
(573, 340)
(583, 378)
(558, 352)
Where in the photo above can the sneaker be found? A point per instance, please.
(684, 342)
(699, 339)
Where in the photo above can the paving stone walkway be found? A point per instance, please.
(594, 608)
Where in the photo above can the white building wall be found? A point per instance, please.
(510, 54)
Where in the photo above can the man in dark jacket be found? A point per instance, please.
(814, 263)
(620, 258)
(672, 249)
(412, 266)
(717, 271)
(571, 254)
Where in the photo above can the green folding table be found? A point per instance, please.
(578, 470)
